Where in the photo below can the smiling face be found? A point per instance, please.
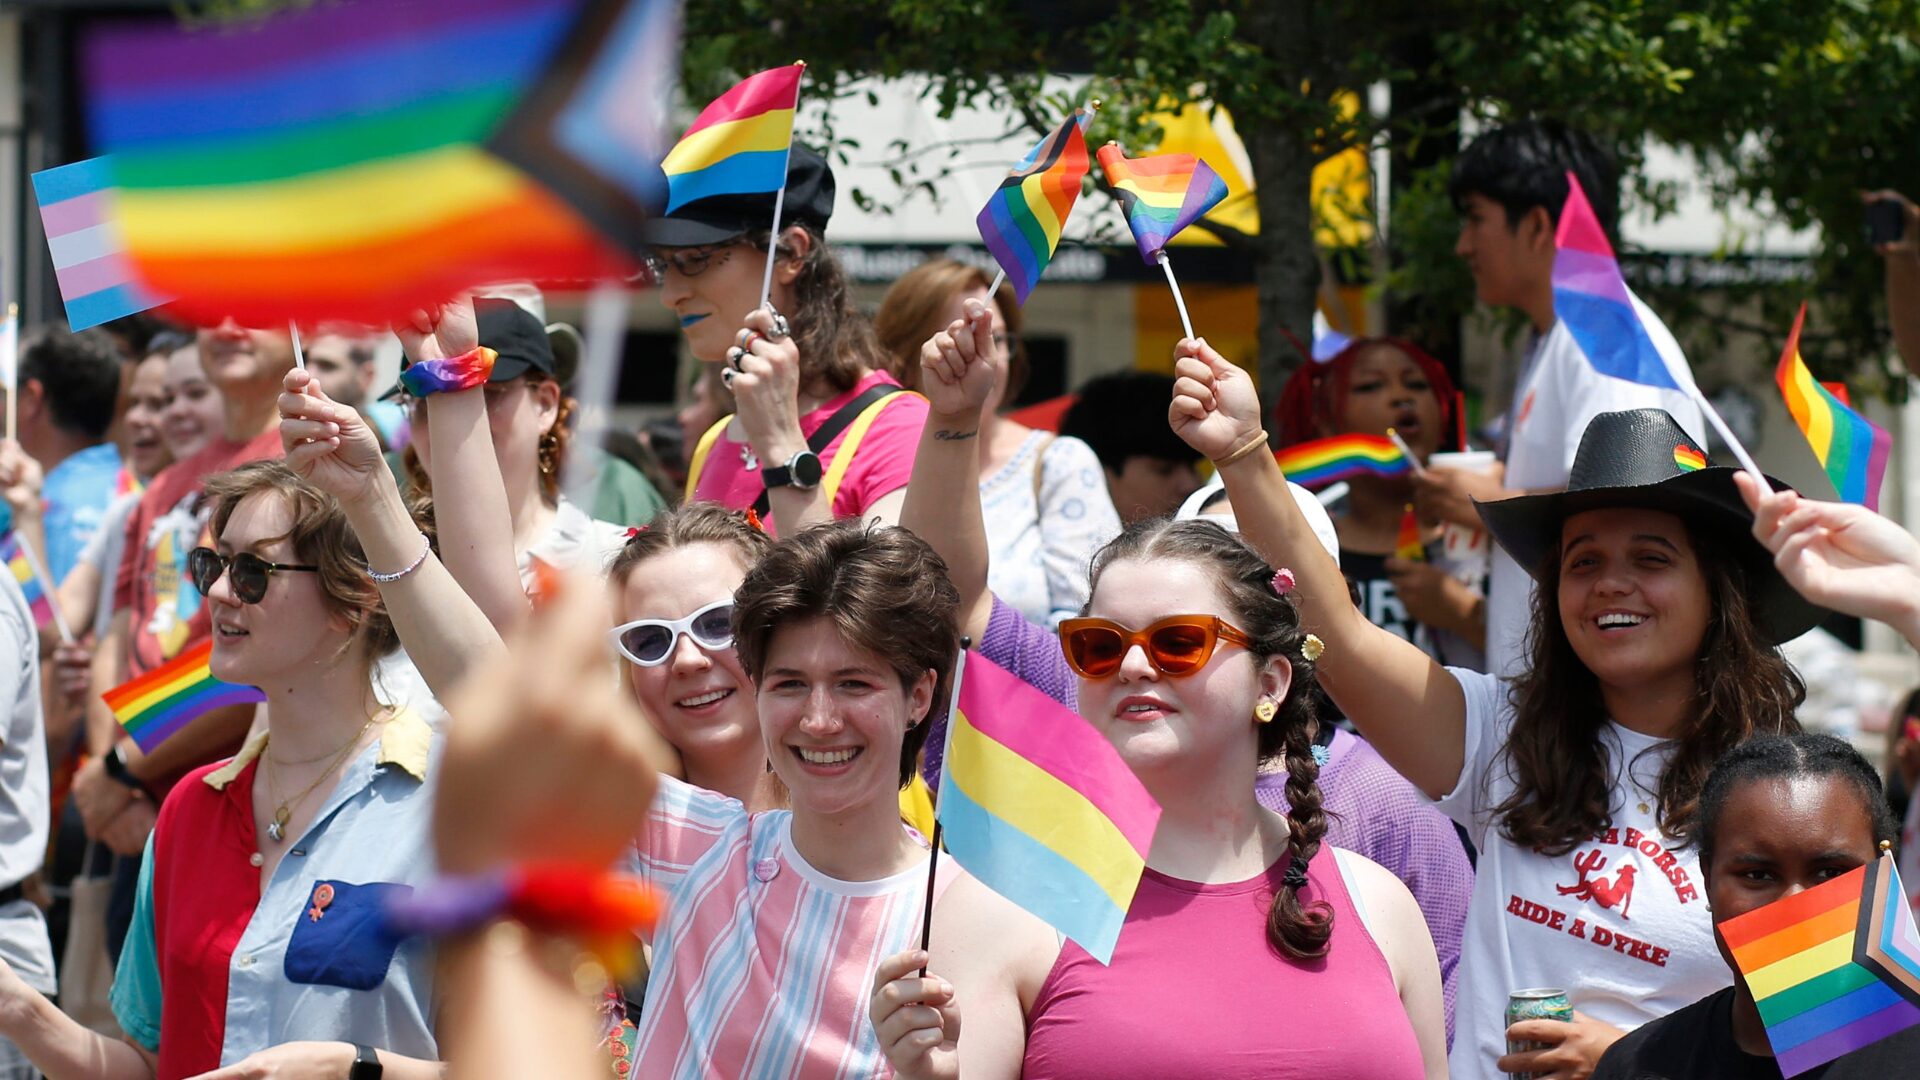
(196, 410)
(1778, 836)
(1199, 723)
(702, 702)
(140, 428)
(1386, 389)
(834, 716)
(1634, 599)
(293, 629)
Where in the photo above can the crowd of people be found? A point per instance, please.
(1554, 748)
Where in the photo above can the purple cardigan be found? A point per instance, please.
(1371, 810)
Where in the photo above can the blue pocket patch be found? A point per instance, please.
(341, 938)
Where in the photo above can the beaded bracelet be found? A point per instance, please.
(426, 549)
(601, 909)
(464, 372)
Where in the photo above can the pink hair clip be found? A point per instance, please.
(1282, 581)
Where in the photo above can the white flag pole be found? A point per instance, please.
(604, 331)
(1179, 301)
(780, 200)
(299, 354)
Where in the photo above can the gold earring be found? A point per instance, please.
(1265, 710)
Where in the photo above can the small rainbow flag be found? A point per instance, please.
(1022, 221)
(1689, 459)
(1591, 298)
(98, 282)
(1834, 968)
(1161, 194)
(1409, 545)
(326, 162)
(1320, 462)
(1039, 806)
(1852, 449)
(155, 705)
(38, 602)
(738, 144)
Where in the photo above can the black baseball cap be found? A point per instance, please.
(721, 218)
(512, 331)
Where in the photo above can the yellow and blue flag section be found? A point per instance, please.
(1040, 807)
(738, 144)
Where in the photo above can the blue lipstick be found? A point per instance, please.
(689, 320)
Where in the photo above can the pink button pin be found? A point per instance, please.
(765, 869)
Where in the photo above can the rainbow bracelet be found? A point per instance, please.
(603, 910)
(464, 372)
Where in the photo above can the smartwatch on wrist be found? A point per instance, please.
(116, 767)
(366, 1063)
(802, 471)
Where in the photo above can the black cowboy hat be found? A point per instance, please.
(1642, 458)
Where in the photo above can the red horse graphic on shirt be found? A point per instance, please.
(1615, 893)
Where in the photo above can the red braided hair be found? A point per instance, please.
(1308, 403)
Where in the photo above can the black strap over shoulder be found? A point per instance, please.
(824, 435)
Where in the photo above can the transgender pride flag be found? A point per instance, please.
(97, 279)
(1591, 297)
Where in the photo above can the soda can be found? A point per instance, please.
(1539, 1003)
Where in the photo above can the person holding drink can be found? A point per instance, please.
(1578, 780)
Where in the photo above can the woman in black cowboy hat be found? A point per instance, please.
(1654, 650)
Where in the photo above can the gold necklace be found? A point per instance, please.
(277, 828)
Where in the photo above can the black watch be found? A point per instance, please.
(366, 1063)
(116, 767)
(802, 470)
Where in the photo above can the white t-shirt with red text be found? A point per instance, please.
(1620, 922)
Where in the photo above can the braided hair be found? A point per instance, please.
(1272, 623)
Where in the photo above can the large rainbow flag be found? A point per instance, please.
(1834, 968)
(326, 162)
(155, 705)
(738, 144)
(1852, 449)
(1319, 462)
(1038, 805)
(1591, 298)
(1161, 194)
(1022, 221)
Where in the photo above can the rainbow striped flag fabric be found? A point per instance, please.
(1022, 221)
(1591, 298)
(97, 280)
(1853, 450)
(326, 162)
(21, 569)
(1832, 969)
(1039, 806)
(155, 705)
(738, 144)
(1161, 194)
(1319, 462)
(1409, 544)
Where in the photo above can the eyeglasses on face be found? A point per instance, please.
(687, 262)
(250, 572)
(650, 642)
(1176, 645)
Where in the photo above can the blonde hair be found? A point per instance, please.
(914, 310)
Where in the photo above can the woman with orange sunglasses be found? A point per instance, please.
(1194, 664)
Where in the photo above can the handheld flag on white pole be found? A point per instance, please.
(46, 587)
(1162, 195)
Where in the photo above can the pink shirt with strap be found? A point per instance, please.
(1195, 990)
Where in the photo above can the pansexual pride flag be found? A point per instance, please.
(1161, 194)
(738, 144)
(1320, 462)
(1834, 968)
(1591, 298)
(97, 280)
(161, 702)
(1022, 221)
(1408, 544)
(1038, 805)
(1852, 449)
(326, 162)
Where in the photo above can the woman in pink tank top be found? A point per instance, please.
(1249, 950)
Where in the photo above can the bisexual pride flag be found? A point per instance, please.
(1039, 806)
(1022, 221)
(1591, 298)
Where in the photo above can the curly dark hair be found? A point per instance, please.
(884, 589)
(1561, 774)
(1272, 622)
